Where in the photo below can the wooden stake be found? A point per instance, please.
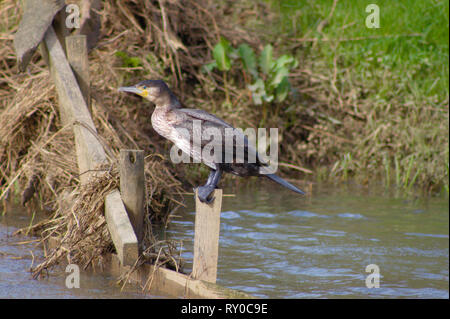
(132, 188)
(206, 239)
(90, 152)
(77, 54)
(120, 228)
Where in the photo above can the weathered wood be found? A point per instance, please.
(90, 153)
(165, 282)
(77, 55)
(59, 26)
(170, 283)
(37, 17)
(120, 228)
(132, 188)
(206, 238)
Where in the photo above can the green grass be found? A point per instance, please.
(412, 39)
(397, 74)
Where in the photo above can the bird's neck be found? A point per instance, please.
(167, 102)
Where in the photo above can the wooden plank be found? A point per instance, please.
(170, 283)
(37, 16)
(89, 151)
(206, 238)
(77, 55)
(132, 188)
(165, 282)
(120, 229)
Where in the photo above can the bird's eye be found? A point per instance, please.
(144, 87)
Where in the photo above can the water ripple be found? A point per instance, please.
(306, 214)
(428, 235)
(351, 216)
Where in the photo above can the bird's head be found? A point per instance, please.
(155, 91)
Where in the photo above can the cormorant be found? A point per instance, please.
(176, 124)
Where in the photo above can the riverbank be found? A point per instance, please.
(365, 103)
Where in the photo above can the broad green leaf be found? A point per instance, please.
(277, 76)
(286, 60)
(265, 59)
(248, 59)
(221, 55)
(282, 89)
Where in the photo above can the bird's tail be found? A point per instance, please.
(282, 182)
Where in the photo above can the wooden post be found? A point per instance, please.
(77, 54)
(206, 239)
(132, 188)
(120, 229)
(90, 152)
(36, 18)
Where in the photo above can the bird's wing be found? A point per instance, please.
(204, 116)
(209, 121)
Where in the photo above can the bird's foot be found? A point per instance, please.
(204, 193)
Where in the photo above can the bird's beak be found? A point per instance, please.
(133, 89)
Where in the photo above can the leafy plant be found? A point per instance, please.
(248, 58)
(221, 55)
(265, 77)
(127, 61)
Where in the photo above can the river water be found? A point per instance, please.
(275, 244)
(16, 257)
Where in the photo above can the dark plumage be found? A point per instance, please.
(182, 126)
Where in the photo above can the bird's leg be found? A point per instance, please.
(210, 177)
(204, 192)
